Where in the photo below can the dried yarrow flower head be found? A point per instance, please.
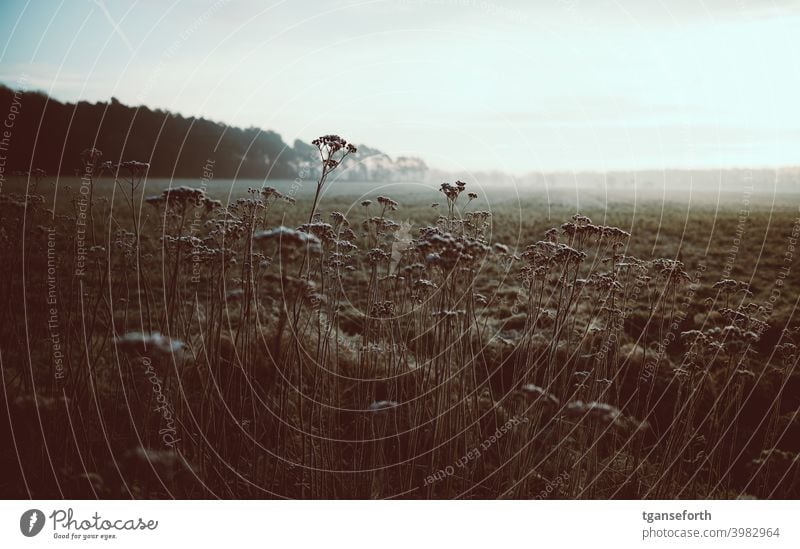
(271, 194)
(550, 254)
(581, 229)
(580, 233)
(347, 234)
(382, 225)
(604, 282)
(787, 352)
(133, 168)
(744, 318)
(446, 250)
(416, 269)
(392, 278)
(672, 271)
(289, 241)
(179, 199)
(225, 231)
(376, 256)
(345, 246)
(424, 285)
(246, 209)
(391, 226)
(627, 263)
(339, 219)
(330, 144)
(383, 309)
(729, 287)
(387, 203)
(153, 343)
(452, 191)
(333, 149)
(614, 235)
(323, 231)
(338, 261)
(581, 220)
(477, 223)
(210, 204)
(726, 284)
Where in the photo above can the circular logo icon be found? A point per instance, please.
(31, 522)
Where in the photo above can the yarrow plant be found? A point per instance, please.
(332, 152)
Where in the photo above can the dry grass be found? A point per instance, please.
(272, 345)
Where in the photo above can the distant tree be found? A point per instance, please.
(50, 135)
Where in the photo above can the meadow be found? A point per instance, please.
(323, 339)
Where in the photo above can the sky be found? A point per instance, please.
(517, 86)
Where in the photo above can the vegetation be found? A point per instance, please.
(171, 144)
(192, 344)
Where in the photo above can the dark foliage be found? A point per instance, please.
(50, 135)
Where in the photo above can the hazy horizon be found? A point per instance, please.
(466, 85)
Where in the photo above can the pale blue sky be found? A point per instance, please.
(517, 86)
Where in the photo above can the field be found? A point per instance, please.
(218, 339)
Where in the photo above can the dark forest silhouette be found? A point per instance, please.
(50, 135)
